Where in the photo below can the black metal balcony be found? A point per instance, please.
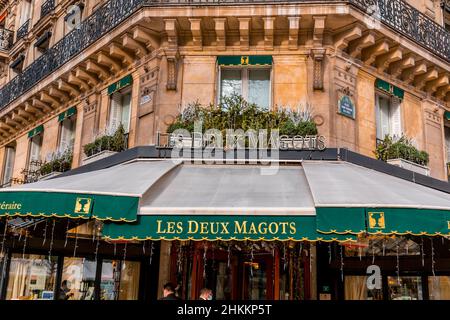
(47, 7)
(396, 14)
(23, 30)
(6, 38)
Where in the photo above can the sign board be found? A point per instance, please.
(346, 106)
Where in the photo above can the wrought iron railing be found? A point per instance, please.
(6, 38)
(23, 30)
(397, 14)
(407, 20)
(47, 7)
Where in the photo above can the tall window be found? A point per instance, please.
(26, 11)
(120, 280)
(10, 155)
(120, 110)
(252, 83)
(31, 277)
(388, 116)
(78, 279)
(67, 134)
(35, 151)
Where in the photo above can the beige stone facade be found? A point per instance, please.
(319, 52)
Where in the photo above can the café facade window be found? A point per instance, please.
(8, 168)
(120, 104)
(31, 277)
(247, 76)
(119, 280)
(67, 126)
(388, 109)
(36, 138)
(78, 279)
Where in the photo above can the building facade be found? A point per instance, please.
(72, 72)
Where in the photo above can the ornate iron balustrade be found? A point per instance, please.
(405, 19)
(6, 37)
(47, 7)
(23, 30)
(396, 14)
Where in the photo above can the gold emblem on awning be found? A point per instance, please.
(376, 220)
(83, 205)
(244, 60)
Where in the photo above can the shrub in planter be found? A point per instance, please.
(234, 112)
(60, 163)
(115, 142)
(401, 148)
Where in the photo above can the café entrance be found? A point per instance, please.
(241, 270)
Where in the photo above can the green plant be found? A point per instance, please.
(391, 148)
(234, 112)
(59, 163)
(116, 142)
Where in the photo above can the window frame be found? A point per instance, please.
(244, 81)
(5, 162)
(60, 131)
(122, 92)
(392, 101)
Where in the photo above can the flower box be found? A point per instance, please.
(184, 142)
(50, 175)
(408, 165)
(101, 155)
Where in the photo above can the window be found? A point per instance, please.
(252, 83)
(31, 277)
(35, 151)
(356, 289)
(388, 116)
(67, 134)
(78, 279)
(439, 287)
(10, 155)
(26, 11)
(120, 280)
(120, 110)
(405, 288)
(368, 246)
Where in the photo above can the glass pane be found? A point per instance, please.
(384, 113)
(257, 280)
(230, 82)
(382, 246)
(439, 287)
(126, 103)
(9, 164)
(31, 277)
(259, 87)
(129, 280)
(120, 280)
(405, 288)
(356, 289)
(224, 282)
(78, 279)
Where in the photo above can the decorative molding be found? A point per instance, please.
(318, 56)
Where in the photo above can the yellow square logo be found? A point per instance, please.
(448, 225)
(376, 220)
(244, 60)
(83, 205)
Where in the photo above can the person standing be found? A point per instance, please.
(206, 294)
(169, 292)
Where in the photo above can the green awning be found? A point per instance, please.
(35, 131)
(215, 227)
(389, 88)
(447, 115)
(66, 114)
(68, 205)
(408, 221)
(244, 60)
(122, 83)
(340, 220)
(383, 221)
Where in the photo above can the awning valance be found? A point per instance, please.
(224, 227)
(67, 114)
(122, 83)
(36, 131)
(244, 60)
(389, 88)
